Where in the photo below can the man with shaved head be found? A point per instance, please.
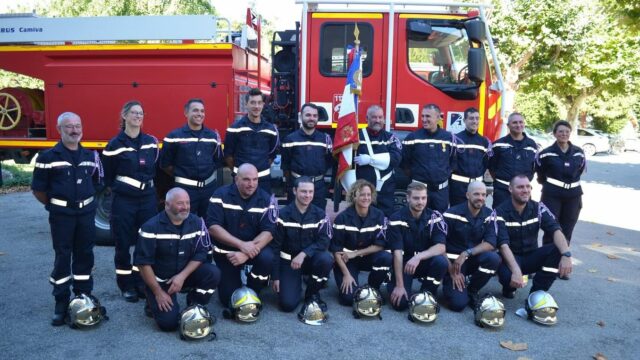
(471, 244)
(171, 253)
(241, 219)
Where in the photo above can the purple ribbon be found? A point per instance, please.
(455, 140)
(277, 140)
(327, 227)
(273, 210)
(218, 149)
(204, 239)
(155, 140)
(383, 231)
(98, 165)
(490, 150)
(329, 143)
(494, 217)
(536, 158)
(437, 220)
(542, 208)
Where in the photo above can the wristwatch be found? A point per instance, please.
(469, 252)
(566, 253)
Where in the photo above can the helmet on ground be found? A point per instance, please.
(245, 304)
(489, 312)
(85, 311)
(367, 302)
(196, 323)
(542, 308)
(423, 307)
(311, 313)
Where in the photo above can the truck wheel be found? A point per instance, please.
(589, 149)
(10, 111)
(103, 213)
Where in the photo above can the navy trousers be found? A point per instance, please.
(542, 261)
(480, 268)
(317, 267)
(429, 272)
(566, 211)
(379, 266)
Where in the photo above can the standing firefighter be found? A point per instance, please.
(192, 155)
(64, 180)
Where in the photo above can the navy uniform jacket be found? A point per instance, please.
(133, 158)
(561, 167)
(251, 143)
(413, 235)
(382, 142)
(308, 155)
(68, 178)
(511, 158)
(169, 248)
(296, 232)
(465, 232)
(429, 156)
(244, 219)
(351, 232)
(471, 157)
(194, 155)
(520, 232)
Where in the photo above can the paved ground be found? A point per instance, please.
(601, 290)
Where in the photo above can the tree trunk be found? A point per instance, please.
(573, 107)
(512, 81)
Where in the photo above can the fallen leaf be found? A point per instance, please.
(523, 358)
(610, 233)
(592, 270)
(596, 245)
(600, 323)
(513, 346)
(599, 356)
(612, 279)
(613, 257)
(1, 253)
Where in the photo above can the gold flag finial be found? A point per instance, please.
(356, 34)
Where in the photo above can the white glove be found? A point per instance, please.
(363, 159)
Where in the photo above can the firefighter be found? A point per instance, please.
(64, 180)
(472, 158)
(378, 154)
(513, 154)
(129, 168)
(428, 157)
(359, 241)
(172, 255)
(300, 248)
(471, 245)
(241, 219)
(416, 236)
(519, 221)
(191, 155)
(252, 140)
(307, 152)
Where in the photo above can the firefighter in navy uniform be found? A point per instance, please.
(307, 152)
(172, 255)
(300, 248)
(378, 154)
(252, 140)
(241, 220)
(129, 168)
(519, 221)
(471, 244)
(513, 154)
(559, 168)
(472, 158)
(428, 156)
(191, 155)
(416, 236)
(64, 180)
(359, 241)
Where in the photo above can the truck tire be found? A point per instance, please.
(103, 213)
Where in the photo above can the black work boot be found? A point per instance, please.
(473, 299)
(60, 313)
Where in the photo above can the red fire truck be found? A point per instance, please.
(414, 53)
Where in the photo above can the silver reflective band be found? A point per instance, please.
(561, 184)
(503, 182)
(465, 179)
(123, 272)
(60, 281)
(221, 251)
(81, 204)
(260, 173)
(440, 186)
(284, 255)
(133, 182)
(314, 178)
(185, 181)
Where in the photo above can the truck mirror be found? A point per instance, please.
(476, 31)
(418, 30)
(477, 64)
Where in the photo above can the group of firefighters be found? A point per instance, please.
(208, 236)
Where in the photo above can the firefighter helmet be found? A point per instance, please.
(489, 312)
(196, 323)
(245, 304)
(311, 313)
(423, 307)
(367, 302)
(85, 311)
(542, 308)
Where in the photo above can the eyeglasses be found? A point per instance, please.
(72, 126)
(136, 113)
